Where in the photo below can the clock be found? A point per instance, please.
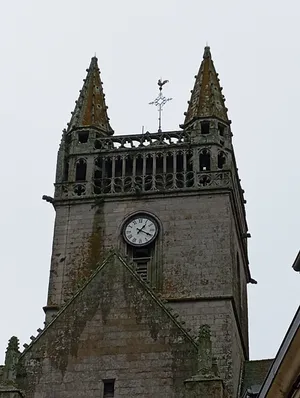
(140, 230)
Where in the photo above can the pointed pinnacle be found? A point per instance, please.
(90, 109)
(206, 98)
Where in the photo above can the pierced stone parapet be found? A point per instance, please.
(135, 185)
(125, 142)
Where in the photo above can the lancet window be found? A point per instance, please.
(204, 160)
(80, 174)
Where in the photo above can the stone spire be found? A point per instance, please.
(207, 100)
(90, 109)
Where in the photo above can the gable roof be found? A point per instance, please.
(110, 259)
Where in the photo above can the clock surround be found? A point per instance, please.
(140, 229)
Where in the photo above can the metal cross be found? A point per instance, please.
(160, 101)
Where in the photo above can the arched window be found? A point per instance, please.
(128, 166)
(169, 163)
(98, 175)
(179, 162)
(149, 165)
(139, 165)
(118, 166)
(221, 160)
(66, 171)
(159, 163)
(80, 174)
(204, 160)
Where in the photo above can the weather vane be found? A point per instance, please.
(160, 101)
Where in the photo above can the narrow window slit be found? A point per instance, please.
(98, 175)
(189, 162)
(149, 165)
(98, 168)
(204, 160)
(66, 171)
(80, 170)
(179, 170)
(159, 164)
(221, 160)
(204, 127)
(129, 166)
(169, 163)
(107, 175)
(179, 164)
(118, 166)
(139, 166)
(221, 129)
(108, 168)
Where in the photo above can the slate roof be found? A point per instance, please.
(254, 375)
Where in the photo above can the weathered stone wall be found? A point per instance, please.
(198, 245)
(226, 344)
(78, 245)
(195, 242)
(113, 329)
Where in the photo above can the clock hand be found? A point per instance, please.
(144, 225)
(146, 233)
(140, 230)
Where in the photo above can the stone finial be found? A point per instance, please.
(11, 358)
(13, 344)
(207, 100)
(206, 53)
(206, 363)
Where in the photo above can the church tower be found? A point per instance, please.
(150, 230)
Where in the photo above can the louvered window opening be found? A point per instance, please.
(142, 267)
(141, 257)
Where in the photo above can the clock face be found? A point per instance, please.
(140, 230)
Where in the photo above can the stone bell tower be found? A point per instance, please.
(169, 202)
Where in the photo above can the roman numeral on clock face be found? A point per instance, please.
(140, 231)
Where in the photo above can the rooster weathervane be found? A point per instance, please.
(160, 101)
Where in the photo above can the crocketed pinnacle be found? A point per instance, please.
(207, 99)
(90, 109)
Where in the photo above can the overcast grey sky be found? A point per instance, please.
(45, 49)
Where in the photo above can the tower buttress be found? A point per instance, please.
(88, 123)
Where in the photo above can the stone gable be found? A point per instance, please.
(114, 328)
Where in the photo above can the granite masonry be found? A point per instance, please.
(166, 318)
